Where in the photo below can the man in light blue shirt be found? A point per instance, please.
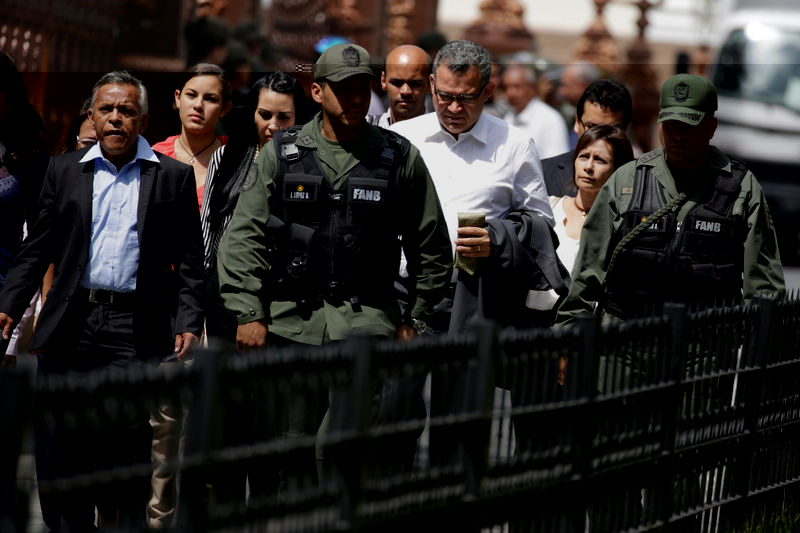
(114, 248)
(121, 226)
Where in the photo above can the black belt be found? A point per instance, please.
(110, 298)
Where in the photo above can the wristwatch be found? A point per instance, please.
(420, 327)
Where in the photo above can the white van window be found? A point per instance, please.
(761, 63)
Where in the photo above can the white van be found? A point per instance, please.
(757, 75)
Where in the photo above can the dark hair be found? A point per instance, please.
(208, 69)
(431, 40)
(202, 36)
(123, 77)
(280, 82)
(608, 94)
(69, 141)
(244, 138)
(614, 136)
(22, 129)
(460, 56)
(23, 136)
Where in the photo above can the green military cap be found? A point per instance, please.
(342, 61)
(687, 98)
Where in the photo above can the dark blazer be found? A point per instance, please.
(169, 281)
(557, 172)
(523, 257)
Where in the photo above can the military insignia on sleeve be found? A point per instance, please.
(350, 57)
(769, 215)
(306, 140)
(250, 179)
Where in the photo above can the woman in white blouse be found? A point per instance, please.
(599, 152)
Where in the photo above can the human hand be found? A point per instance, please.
(405, 332)
(252, 336)
(184, 342)
(473, 241)
(6, 325)
(562, 370)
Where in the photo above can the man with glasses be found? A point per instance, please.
(483, 169)
(478, 162)
(604, 102)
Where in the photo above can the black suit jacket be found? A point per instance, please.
(557, 172)
(169, 280)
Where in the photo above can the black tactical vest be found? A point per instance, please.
(331, 244)
(698, 261)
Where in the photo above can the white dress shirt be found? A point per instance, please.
(492, 168)
(545, 125)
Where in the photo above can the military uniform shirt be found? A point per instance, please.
(242, 261)
(763, 273)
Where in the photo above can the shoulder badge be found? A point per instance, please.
(649, 156)
(306, 139)
(250, 179)
(769, 216)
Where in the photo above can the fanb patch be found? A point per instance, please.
(365, 194)
(350, 57)
(708, 226)
(681, 92)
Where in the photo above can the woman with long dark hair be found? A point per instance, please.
(202, 100)
(275, 101)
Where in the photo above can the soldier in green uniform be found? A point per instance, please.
(683, 223)
(701, 229)
(312, 250)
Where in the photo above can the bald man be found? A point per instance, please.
(406, 80)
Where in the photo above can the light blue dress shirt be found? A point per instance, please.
(114, 246)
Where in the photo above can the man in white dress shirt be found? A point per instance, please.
(479, 163)
(529, 113)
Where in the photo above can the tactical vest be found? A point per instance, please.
(698, 261)
(338, 244)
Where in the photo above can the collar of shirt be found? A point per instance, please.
(143, 152)
(370, 137)
(114, 243)
(529, 112)
(479, 131)
(385, 120)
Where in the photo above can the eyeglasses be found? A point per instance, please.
(86, 142)
(463, 99)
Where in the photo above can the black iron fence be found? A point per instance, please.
(684, 422)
